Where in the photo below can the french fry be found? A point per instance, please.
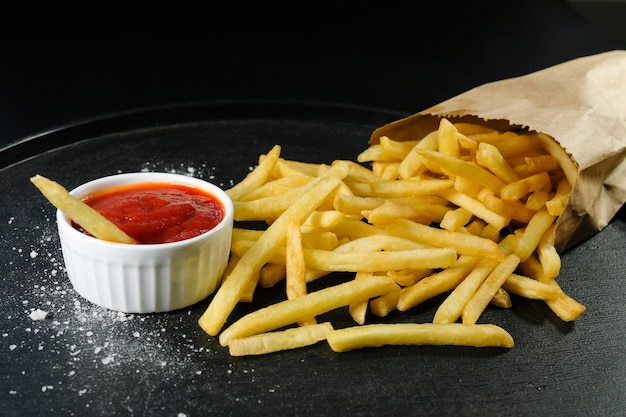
(322, 260)
(489, 156)
(476, 207)
(295, 268)
(518, 189)
(536, 228)
(557, 203)
(530, 288)
(358, 309)
(462, 243)
(454, 334)
(413, 163)
(476, 305)
(291, 338)
(565, 162)
(409, 188)
(435, 284)
(257, 176)
(463, 168)
(451, 308)
(453, 220)
(448, 143)
(80, 212)
(312, 304)
(385, 304)
(501, 299)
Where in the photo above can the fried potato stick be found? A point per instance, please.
(257, 176)
(454, 334)
(291, 338)
(312, 304)
(80, 212)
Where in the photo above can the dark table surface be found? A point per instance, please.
(320, 69)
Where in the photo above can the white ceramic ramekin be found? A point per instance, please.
(146, 278)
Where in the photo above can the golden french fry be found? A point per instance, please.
(374, 153)
(565, 162)
(288, 167)
(80, 212)
(517, 144)
(354, 205)
(326, 219)
(385, 304)
(451, 308)
(390, 211)
(557, 203)
(291, 338)
(357, 172)
(481, 298)
(257, 176)
(435, 284)
(358, 309)
(295, 268)
(454, 334)
(413, 163)
(409, 188)
(248, 267)
(453, 220)
(312, 304)
(470, 129)
(537, 226)
(322, 260)
(501, 299)
(564, 306)
(548, 255)
(407, 278)
(463, 168)
(379, 242)
(518, 189)
(489, 156)
(541, 163)
(447, 141)
(271, 274)
(476, 207)
(462, 243)
(537, 200)
(530, 288)
(275, 187)
(396, 149)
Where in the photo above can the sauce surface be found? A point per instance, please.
(158, 212)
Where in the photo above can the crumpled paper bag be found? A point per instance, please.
(580, 103)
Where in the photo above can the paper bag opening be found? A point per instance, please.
(580, 103)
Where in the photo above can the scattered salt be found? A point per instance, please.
(107, 360)
(37, 315)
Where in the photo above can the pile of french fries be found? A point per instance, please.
(466, 211)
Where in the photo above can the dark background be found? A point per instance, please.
(63, 65)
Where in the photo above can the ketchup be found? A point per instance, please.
(158, 212)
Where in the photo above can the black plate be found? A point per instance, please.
(84, 360)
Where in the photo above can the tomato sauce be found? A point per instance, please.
(158, 213)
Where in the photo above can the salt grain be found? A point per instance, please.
(37, 315)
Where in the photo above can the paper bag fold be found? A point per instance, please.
(580, 103)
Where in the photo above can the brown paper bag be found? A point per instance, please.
(581, 103)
